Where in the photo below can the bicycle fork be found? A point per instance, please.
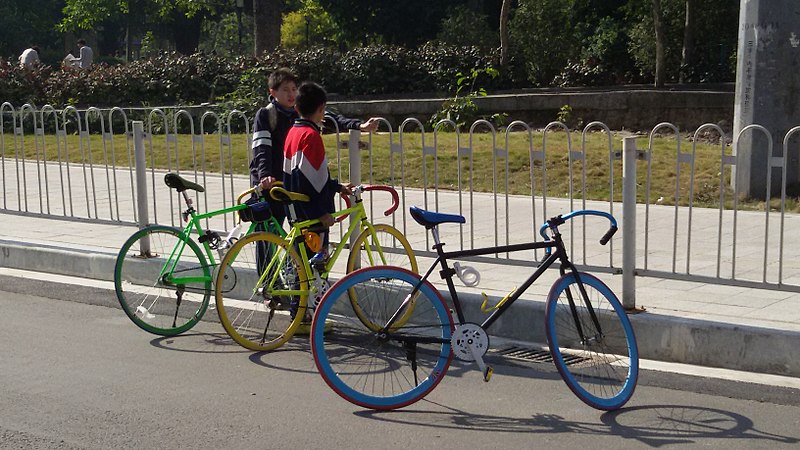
(598, 335)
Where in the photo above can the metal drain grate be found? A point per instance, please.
(537, 356)
(526, 354)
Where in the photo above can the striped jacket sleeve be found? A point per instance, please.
(262, 146)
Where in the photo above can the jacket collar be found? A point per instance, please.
(287, 111)
(307, 123)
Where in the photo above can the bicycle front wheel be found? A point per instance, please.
(386, 247)
(393, 367)
(260, 312)
(600, 364)
(162, 280)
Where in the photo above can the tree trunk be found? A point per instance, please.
(660, 57)
(267, 18)
(186, 32)
(505, 9)
(687, 55)
(128, 38)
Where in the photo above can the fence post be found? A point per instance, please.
(629, 157)
(354, 155)
(141, 182)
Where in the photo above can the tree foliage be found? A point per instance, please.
(408, 23)
(311, 22)
(549, 42)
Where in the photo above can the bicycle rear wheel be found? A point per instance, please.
(261, 316)
(602, 367)
(391, 368)
(144, 290)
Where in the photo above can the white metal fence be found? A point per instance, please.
(79, 165)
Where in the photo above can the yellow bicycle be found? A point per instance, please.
(266, 285)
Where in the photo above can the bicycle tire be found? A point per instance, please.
(147, 299)
(256, 317)
(604, 372)
(364, 251)
(370, 369)
(369, 250)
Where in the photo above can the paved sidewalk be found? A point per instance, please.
(695, 323)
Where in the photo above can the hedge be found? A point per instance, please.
(171, 79)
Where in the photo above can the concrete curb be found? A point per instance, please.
(660, 337)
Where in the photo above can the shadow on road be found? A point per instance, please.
(655, 426)
(199, 342)
(659, 425)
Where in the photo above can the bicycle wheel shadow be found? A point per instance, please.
(199, 342)
(654, 426)
(658, 425)
(273, 360)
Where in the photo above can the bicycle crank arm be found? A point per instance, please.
(487, 371)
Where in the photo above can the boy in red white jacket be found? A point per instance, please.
(305, 166)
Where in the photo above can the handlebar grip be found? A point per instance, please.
(607, 237)
(347, 202)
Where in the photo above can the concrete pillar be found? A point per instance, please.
(767, 89)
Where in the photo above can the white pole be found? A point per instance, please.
(354, 153)
(629, 156)
(141, 182)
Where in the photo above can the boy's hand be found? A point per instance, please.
(326, 220)
(347, 189)
(267, 182)
(370, 125)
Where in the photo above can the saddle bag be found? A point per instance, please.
(256, 211)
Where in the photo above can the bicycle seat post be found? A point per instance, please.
(189, 209)
(437, 244)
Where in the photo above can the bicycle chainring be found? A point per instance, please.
(468, 340)
(320, 287)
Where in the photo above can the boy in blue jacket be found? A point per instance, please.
(305, 166)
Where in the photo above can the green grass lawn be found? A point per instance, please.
(480, 173)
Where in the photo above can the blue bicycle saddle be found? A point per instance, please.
(430, 219)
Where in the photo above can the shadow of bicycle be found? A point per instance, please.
(199, 342)
(660, 425)
(655, 426)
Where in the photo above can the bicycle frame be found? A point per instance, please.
(193, 224)
(295, 235)
(358, 221)
(558, 255)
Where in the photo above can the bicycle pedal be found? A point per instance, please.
(488, 374)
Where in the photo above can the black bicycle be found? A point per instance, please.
(400, 344)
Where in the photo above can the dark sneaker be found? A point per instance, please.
(319, 258)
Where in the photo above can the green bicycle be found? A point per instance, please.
(263, 297)
(163, 277)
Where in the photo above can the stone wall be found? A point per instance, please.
(631, 109)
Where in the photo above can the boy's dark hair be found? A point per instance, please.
(280, 76)
(310, 97)
(81, 42)
(35, 48)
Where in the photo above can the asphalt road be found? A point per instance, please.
(75, 373)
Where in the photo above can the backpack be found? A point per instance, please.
(272, 116)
